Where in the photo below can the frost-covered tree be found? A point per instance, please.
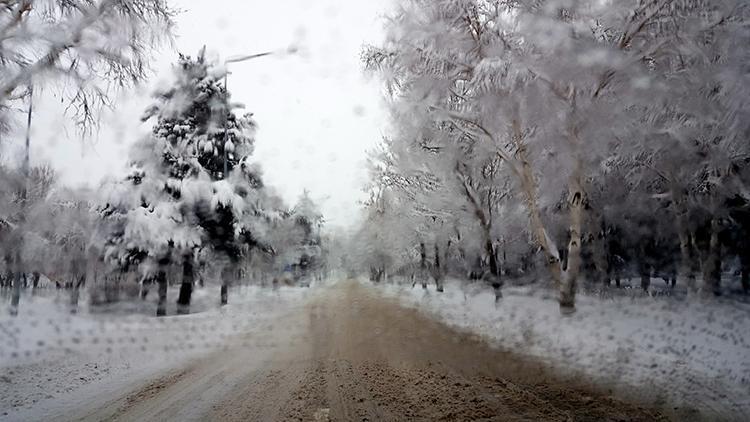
(377, 249)
(308, 218)
(45, 229)
(86, 48)
(555, 91)
(455, 185)
(295, 237)
(700, 119)
(18, 237)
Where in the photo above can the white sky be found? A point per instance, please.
(317, 113)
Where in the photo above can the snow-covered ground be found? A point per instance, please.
(47, 353)
(693, 353)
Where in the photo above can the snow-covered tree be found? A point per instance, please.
(178, 198)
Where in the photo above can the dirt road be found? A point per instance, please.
(351, 355)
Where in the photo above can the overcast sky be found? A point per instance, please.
(317, 113)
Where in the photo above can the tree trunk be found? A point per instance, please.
(7, 281)
(503, 266)
(75, 294)
(186, 287)
(552, 256)
(423, 264)
(438, 271)
(161, 279)
(112, 289)
(490, 250)
(495, 279)
(671, 271)
(485, 222)
(712, 263)
(565, 280)
(15, 298)
(645, 278)
(687, 246)
(225, 287)
(224, 294)
(745, 268)
(686, 264)
(144, 286)
(573, 268)
(600, 257)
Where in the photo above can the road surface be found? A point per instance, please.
(352, 355)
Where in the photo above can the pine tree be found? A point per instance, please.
(178, 199)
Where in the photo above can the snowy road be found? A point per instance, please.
(351, 354)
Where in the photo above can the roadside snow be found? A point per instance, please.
(693, 353)
(46, 353)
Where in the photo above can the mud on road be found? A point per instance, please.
(352, 355)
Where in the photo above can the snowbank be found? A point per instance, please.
(46, 353)
(691, 353)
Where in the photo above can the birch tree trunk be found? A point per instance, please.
(75, 293)
(552, 257)
(568, 285)
(564, 280)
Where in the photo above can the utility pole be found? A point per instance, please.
(233, 59)
(236, 59)
(26, 162)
